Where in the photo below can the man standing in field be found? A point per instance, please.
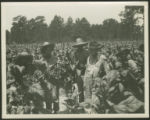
(78, 66)
(45, 64)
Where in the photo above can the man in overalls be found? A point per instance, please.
(79, 61)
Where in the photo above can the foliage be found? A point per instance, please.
(132, 21)
(56, 29)
(35, 30)
(26, 91)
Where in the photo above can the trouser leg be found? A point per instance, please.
(55, 93)
(87, 89)
(80, 88)
(48, 100)
(49, 104)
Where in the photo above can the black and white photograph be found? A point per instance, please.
(75, 59)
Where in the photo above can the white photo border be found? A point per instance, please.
(3, 53)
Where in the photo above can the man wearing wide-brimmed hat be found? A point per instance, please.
(80, 54)
(95, 69)
(49, 60)
(79, 61)
(46, 51)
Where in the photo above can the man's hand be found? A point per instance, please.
(72, 67)
(110, 103)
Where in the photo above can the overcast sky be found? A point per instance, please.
(94, 12)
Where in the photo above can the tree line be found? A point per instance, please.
(35, 30)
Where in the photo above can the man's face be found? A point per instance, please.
(128, 56)
(93, 52)
(79, 47)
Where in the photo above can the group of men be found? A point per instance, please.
(78, 57)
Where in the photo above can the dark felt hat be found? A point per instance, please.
(95, 45)
(24, 58)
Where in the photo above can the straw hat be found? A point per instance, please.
(79, 42)
(47, 45)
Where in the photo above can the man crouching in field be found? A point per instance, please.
(79, 61)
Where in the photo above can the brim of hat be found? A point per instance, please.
(24, 56)
(81, 44)
(48, 45)
(95, 48)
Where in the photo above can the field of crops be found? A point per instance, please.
(119, 90)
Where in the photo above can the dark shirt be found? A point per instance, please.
(80, 57)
